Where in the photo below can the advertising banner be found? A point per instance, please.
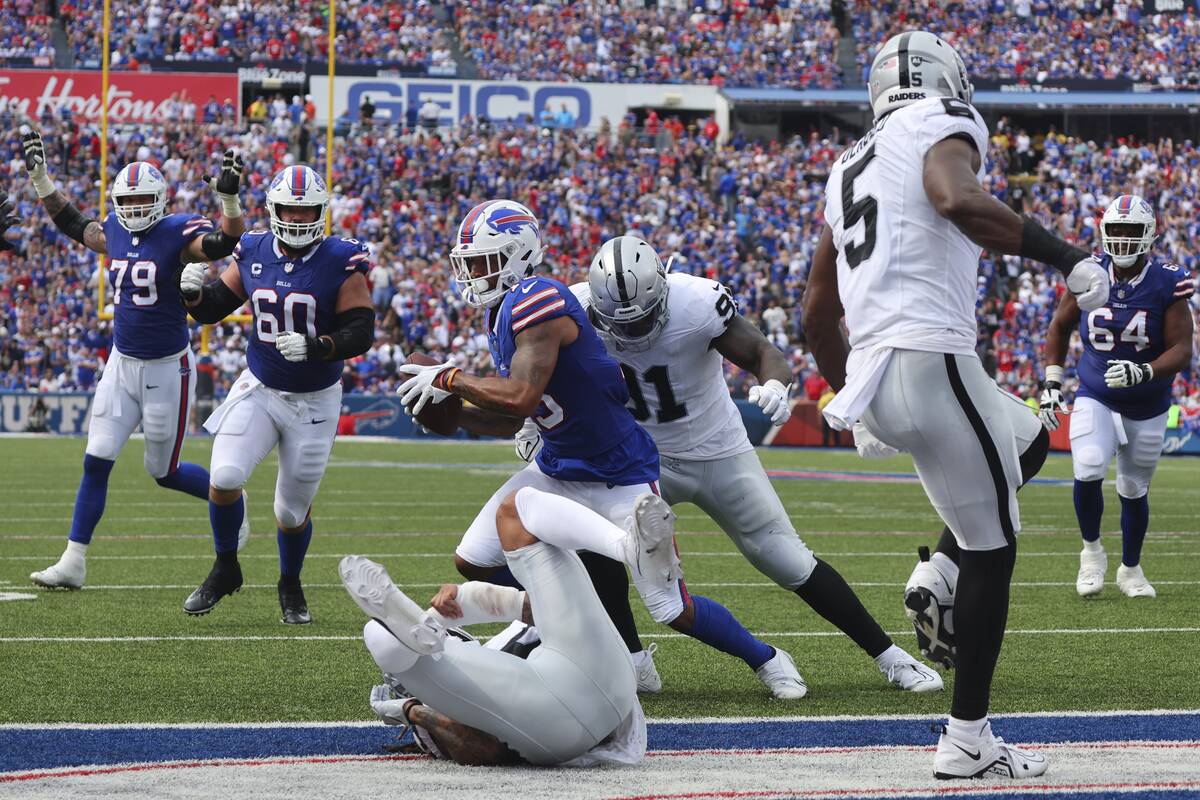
(132, 96)
(397, 100)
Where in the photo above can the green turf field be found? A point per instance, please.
(407, 504)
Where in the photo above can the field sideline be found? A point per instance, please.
(123, 651)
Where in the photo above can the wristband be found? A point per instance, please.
(446, 379)
(1054, 374)
(43, 186)
(231, 207)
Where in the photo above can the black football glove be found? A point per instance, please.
(230, 179)
(7, 220)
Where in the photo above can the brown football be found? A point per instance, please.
(441, 418)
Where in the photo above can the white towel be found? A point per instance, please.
(864, 369)
(242, 388)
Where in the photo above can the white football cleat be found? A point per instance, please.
(780, 675)
(648, 681)
(1092, 566)
(66, 573)
(929, 606)
(380, 599)
(1132, 582)
(244, 531)
(911, 675)
(985, 756)
(652, 533)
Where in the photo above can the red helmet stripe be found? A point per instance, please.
(468, 225)
(1125, 203)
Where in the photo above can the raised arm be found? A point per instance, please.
(66, 217)
(221, 243)
(823, 314)
(956, 194)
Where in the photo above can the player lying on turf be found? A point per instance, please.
(312, 309)
(1132, 347)
(574, 700)
(147, 379)
(552, 367)
(671, 335)
(910, 369)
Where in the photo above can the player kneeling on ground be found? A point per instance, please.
(1132, 347)
(312, 309)
(574, 700)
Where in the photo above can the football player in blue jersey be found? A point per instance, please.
(1132, 348)
(553, 368)
(312, 309)
(148, 377)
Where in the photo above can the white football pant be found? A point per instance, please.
(157, 395)
(1098, 433)
(946, 412)
(249, 425)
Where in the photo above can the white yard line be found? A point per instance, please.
(683, 553)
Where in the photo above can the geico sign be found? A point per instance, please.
(469, 98)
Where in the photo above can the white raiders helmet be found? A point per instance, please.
(139, 179)
(1128, 209)
(628, 283)
(297, 186)
(913, 66)
(499, 242)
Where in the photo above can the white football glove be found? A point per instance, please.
(191, 280)
(389, 709)
(419, 389)
(1123, 374)
(869, 445)
(1051, 402)
(772, 398)
(292, 346)
(529, 441)
(1089, 282)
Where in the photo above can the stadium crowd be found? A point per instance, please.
(790, 43)
(745, 213)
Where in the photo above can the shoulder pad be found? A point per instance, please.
(582, 292)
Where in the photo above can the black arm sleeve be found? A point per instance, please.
(72, 223)
(1041, 245)
(218, 244)
(217, 301)
(354, 334)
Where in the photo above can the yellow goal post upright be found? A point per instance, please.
(101, 293)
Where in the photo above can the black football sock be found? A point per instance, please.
(611, 583)
(828, 594)
(980, 614)
(948, 546)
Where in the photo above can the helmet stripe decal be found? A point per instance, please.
(468, 225)
(903, 56)
(1125, 203)
(298, 180)
(132, 177)
(622, 289)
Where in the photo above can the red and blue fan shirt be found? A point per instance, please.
(587, 432)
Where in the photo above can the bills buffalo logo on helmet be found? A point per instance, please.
(510, 220)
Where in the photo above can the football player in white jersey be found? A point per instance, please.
(906, 216)
(671, 334)
(574, 700)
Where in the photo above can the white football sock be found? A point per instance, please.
(566, 524)
(391, 654)
(484, 602)
(75, 550)
(968, 730)
(1092, 547)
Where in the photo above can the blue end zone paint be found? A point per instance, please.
(33, 748)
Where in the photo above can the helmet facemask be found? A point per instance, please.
(1126, 241)
(139, 216)
(297, 234)
(632, 327)
(482, 274)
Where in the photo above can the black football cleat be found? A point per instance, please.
(292, 602)
(224, 579)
